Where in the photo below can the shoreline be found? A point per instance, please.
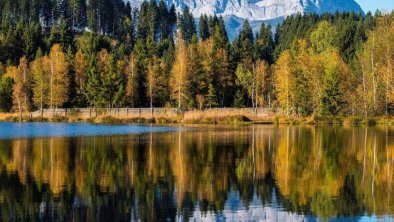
(240, 117)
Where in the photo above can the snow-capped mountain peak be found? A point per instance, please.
(260, 10)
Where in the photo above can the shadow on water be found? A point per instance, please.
(245, 173)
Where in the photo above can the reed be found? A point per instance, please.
(218, 116)
(209, 116)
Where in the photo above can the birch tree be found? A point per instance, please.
(57, 66)
(41, 83)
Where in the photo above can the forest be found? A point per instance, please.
(105, 54)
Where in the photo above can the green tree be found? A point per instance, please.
(41, 80)
(332, 99)
(204, 28)
(5, 94)
(324, 37)
(211, 100)
(265, 44)
(246, 79)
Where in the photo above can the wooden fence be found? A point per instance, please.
(142, 112)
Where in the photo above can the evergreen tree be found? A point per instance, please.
(211, 100)
(5, 94)
(186, 25)
(93, 85)
(332, 100)
(239, 100)
(61, 34)
(246, 42)
(265, 44)
(204, 28)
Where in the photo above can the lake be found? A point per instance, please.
(84, 172)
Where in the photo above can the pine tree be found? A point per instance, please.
(204, 28)
(246, 42)
(239, 100)
(164, 21)
(211, 100)
(332, 100)
(61, 34)
(5, 94)
(93, 85)
(220, 35)
(155, 81)
(110, 79)
(186, 25)
(265, 44)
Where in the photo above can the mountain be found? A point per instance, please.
(257, 11)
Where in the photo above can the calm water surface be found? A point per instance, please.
(253, 173)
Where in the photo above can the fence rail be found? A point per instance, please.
(139, 112)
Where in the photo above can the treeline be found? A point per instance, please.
(86, 56)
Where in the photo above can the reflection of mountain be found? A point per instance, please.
(256, 172)
(234, 210)
(254, 213)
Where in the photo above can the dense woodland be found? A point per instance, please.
(104, 54)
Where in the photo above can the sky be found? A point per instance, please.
(372, 5)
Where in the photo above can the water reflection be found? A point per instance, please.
(248, 173)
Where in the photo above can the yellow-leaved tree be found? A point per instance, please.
(179, 80)
(80, 66)
(284, 81)
(376, 64)
(57, 66)
(21, 86)
(41, 83)
(132, 80)
(262, 72)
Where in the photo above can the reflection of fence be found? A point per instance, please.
(144, 112)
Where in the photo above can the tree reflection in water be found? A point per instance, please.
(252, 172)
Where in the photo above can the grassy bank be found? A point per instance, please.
(357, 121)
(206, 117)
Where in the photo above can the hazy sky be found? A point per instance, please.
(372, 5)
